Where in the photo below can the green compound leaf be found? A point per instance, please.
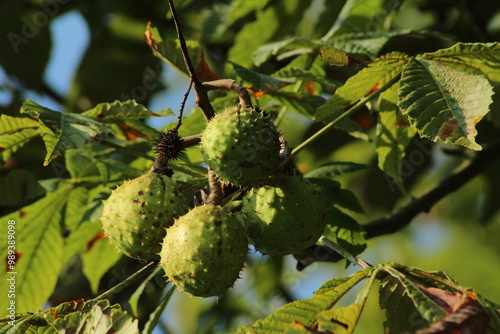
(365, 82)
(64, 131)
(306, 311)
(75, 317)
(170, 51)
(426, 307)
(99, 257)
(343, 320)
(260, 82)
(484, 57)
(444, 102)
(38, 251)
(14, 133)
(154, 317)
(118, 111)
(332, 169)
(359, 15)
(345, 231)
(394, 134)
(401, 313)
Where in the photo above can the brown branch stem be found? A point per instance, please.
(402, 217)
(201, 100)
(229, 84)
(463, 174)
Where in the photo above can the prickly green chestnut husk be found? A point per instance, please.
(204, 251)
(284, 217)
(136, 214)
(241, 146)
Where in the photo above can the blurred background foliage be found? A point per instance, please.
(113, 62)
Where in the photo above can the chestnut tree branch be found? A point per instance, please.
(402, 217)
(201, 100)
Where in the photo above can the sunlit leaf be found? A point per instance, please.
(14, 133)
(345, 231)
(94, 316)
(257, 82)
(99, 257)
(154, 317)
(443, 102)
(394, 134)
(119, 110)
(134, 299)
(38, 251)
(365, 82)
(303, 104)
(170, 52)
(358, 15)
(426, 307)
(484, 57)
(305, 311)
(63, 131)
(401, 313)
(343, 320)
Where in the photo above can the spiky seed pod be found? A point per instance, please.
(136, 214)
(241, 147)
(285, 217)
(204, 251)
(169, 145)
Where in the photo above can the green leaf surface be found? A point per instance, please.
(14, 133)
(333, 56)
(359, 15)
(401, 313)
(118, 111)
(63, 131)
(18, 187)
(265, 52)
(90, 317)
(332, 169)
(305, 311)
(343, 320)
(38, 251)
(99, 257)
(394, 134)
(484, 57)
(334, 194)
(259, 82)
(365, 82)
(266, 28)
(443, 102)
(347, 232)
(427, 308)
(134, 299)
(292, 73)
(170, 50)
(155, 316)
(303, 104)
